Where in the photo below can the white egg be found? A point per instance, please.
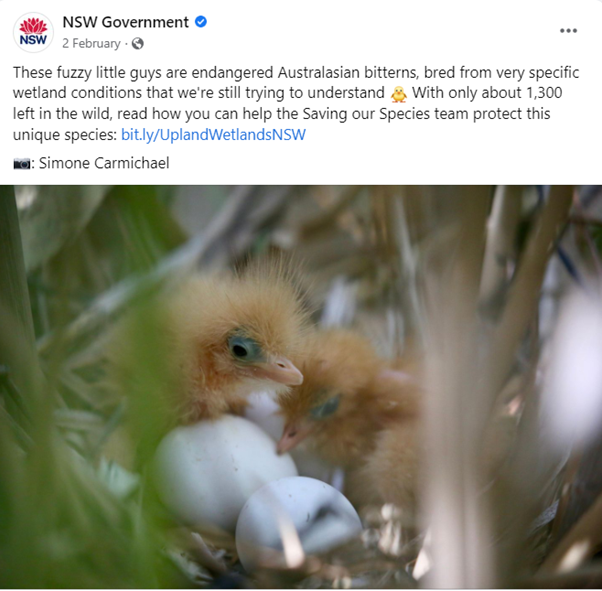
(290, 518)
(205, 472)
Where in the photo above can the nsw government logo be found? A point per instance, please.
(33, 32)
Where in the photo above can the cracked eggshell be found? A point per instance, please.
(204, 473)
(290, 518)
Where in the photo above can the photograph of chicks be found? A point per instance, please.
(300, 387)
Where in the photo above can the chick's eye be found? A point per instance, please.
(239, 351)
(244, 348)
(326, 409)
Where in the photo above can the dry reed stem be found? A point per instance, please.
(524, 294)
(461, 554)
(525, 476)
(501, 235)
(579, 545)
(407, 275)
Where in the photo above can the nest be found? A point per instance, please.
(475, 275)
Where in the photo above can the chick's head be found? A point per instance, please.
(337, 406)
(237, 333)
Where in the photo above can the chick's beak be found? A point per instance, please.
(292, 435)
(280, 370)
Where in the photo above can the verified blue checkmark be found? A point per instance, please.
(200, 21)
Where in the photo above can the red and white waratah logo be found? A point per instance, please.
(33, 32)
(33, 25)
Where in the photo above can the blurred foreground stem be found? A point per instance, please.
(461, 553)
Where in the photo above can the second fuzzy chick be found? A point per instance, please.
(355, 412)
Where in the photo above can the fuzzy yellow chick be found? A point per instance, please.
(222, 336)
(399, 96)
(233, 334)
(351, 410)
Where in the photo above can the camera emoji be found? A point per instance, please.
(22, 163)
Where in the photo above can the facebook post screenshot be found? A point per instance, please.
(301, 296)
